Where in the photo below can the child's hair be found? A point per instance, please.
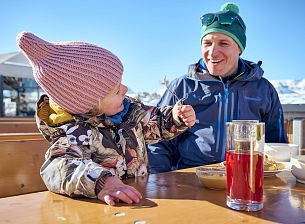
(96, 110)
(75, 75)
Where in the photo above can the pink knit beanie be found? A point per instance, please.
(75, 75)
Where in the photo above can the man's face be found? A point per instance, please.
(220, 53)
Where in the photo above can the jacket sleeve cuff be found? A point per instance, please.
(101, 182)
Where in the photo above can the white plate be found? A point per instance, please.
(272, 173)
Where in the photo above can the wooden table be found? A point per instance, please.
(174, 197)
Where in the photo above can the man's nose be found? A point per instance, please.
(213, 50)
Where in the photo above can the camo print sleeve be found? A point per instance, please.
(162, 124)
(68, 168)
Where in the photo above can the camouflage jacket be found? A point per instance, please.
(86, 149)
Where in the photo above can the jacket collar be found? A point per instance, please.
(131, 115)
(247, 71)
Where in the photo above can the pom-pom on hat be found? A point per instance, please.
(228, 22)
(75, 75)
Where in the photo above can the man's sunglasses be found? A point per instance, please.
(226, 18)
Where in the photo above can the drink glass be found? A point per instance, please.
(244, 164)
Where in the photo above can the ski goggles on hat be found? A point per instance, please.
(227, 18)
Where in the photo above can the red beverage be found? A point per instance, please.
(245, 177)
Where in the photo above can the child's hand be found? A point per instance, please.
(187, 114)
(115, 190)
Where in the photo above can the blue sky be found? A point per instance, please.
(160, 38)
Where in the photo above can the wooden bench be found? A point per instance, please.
(18, 127)
(17, 119)
(20, 162)
(20, 136)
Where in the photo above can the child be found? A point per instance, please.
(99, 135)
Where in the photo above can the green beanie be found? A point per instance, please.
(228, 22)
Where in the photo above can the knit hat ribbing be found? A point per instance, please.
(233, 30)
(75, 75)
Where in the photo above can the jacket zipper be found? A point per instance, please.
(225, 119)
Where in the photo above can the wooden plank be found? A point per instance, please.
(20, 136)
(288, 125)
(18, 127)
(17, 119)
(20, 162)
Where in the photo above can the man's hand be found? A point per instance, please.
(187, 114)
(115, 190)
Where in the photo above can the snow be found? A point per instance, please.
(289, 91)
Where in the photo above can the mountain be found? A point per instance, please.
(289, 91)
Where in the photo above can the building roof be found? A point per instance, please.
(15, 64)
(294, 108)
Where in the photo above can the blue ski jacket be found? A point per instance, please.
(245, 96)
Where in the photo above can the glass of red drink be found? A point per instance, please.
(244, 164)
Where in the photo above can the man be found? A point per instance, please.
(221, 87)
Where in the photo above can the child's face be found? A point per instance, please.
(112, 103)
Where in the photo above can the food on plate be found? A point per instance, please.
(272, 165)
